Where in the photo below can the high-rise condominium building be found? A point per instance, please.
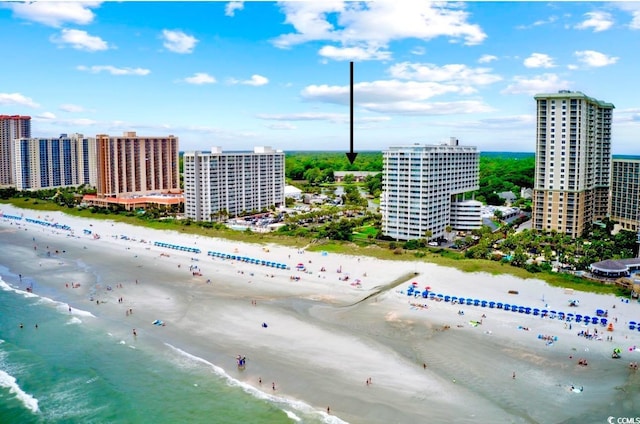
(573, 159)
(625, 193)
(420, 183)
(11, 128)
(65, 161)
(135, 165)
(218, 184)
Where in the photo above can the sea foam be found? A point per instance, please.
(27, 400)
(285, 403)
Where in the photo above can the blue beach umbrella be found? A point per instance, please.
(499, 305)
(492, 304)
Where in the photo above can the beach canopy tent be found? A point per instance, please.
(611, 268)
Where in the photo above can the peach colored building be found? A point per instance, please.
(132, 165)
(11, 128)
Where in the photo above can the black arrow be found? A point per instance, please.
(351, 155)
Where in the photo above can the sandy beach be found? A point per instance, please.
(359, 345)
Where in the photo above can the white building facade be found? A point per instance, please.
(218, 184)
(419, 185)
(66, 161)
(466, 215)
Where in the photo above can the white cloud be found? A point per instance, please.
(599, 21)
(255, 80)
(178, 41)
(595, 59)
(374, 25)
(456, 73)
(68, 107)
(232, 6)
(55, 14)
(418, 50)
(200, 78)
(634, 9)
(17, 99)
(545, 83)
(487, 58)
(47, 115)
(305, 116)
(354, 53)
(319, 116)
(539, 60)
(549, 20)
(385, 91)
(113, 70)
(431, 108)
(281, 126)
(80, 40)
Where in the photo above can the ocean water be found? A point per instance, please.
(71, 369)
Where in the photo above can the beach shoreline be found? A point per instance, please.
(327, 335)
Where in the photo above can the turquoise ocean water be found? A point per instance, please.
(71, 369)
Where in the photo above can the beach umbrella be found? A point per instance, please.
(506, 306)
(632, 322)
(425, 293)
(432, 295)
(527, 310)
(440, 296)
(447, 298)
(499, 305)
(469, 301)
(461, 299)
(521, 309)
(415, 283)
(536, 311)
(594, 320)
(476, 302)
(492, 304)
(603, 321)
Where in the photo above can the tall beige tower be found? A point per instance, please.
(12, 127)
(573, 160)
(135, 165)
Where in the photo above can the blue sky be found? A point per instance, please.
(245, 74)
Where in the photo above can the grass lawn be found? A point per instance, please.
(362, 245)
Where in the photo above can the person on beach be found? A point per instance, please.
(134, 332)
(273, 386)
(514, 375)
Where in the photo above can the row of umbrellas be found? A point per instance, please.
(247, 259)
(17, 218)
(177, 247)
(414, 291)
(633, 325)
(48, 224)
